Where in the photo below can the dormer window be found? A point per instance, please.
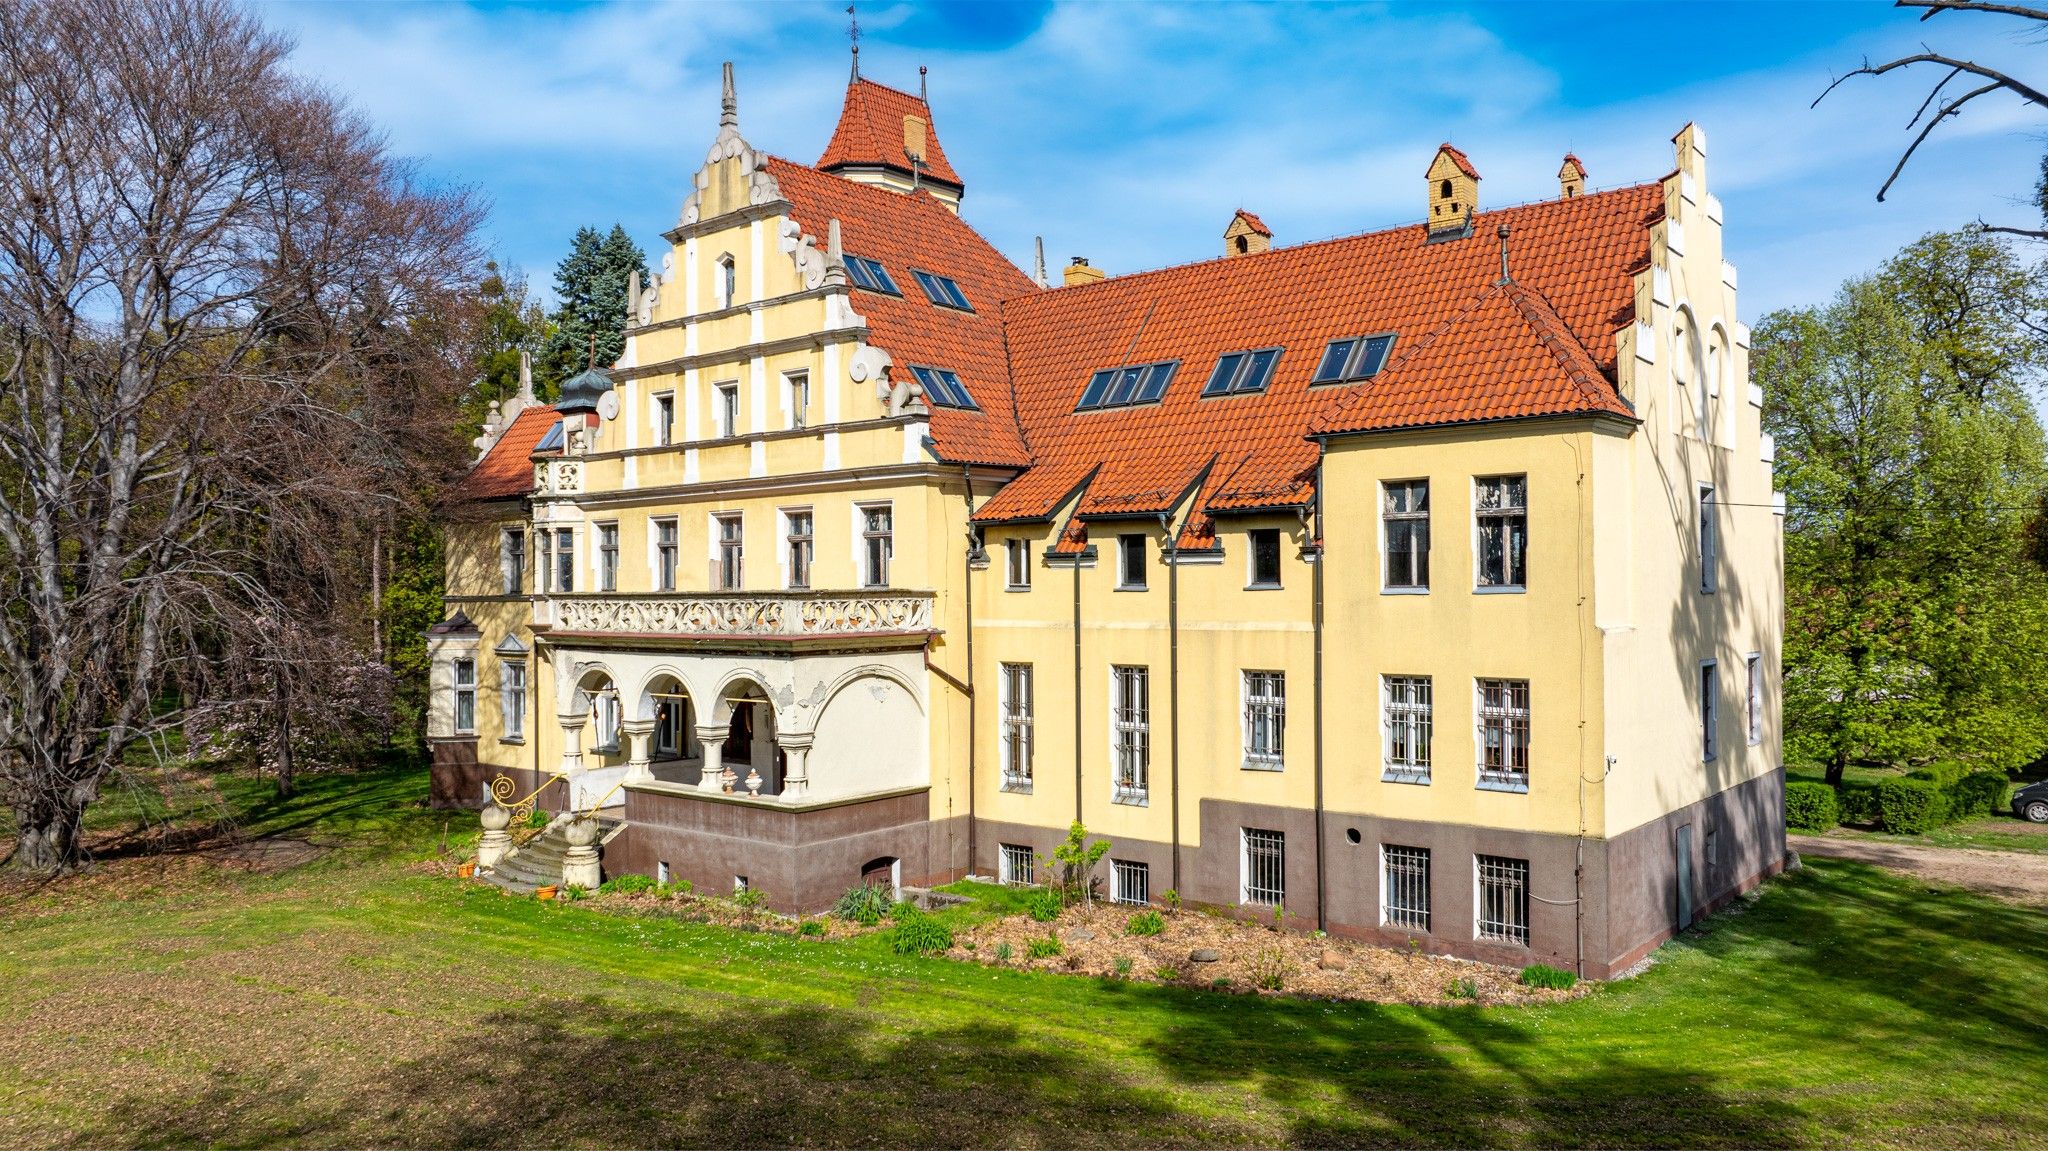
(1242, 373)
(871, 275)
(942, 291)
(1359, 358)
(944, 388)
(1124, 387)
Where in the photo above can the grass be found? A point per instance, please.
(359, 999)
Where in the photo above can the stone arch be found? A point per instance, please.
(717, 706)
(871, 734)
(576, 679)
(872, 669)
(1720, 366)
(667, 700)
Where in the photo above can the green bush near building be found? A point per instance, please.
(1811, 807)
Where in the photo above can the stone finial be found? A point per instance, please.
(1038, 261)
(729, 102)
(525, 377)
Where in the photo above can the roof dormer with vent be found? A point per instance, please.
(886, 138)
(1453, 194)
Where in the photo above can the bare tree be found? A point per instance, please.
(228, 319)
(1941, 104)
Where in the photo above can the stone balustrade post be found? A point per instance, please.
(796, 752)
(713, 741)
(639, 735)
(572, 741)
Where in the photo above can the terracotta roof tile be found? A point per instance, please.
(507, 469)
(1459, 158)
(870, 133)
(1257, 225)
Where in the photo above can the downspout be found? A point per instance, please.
(973, 705)
(1077, 688)
(1172, 553)
(1316, 620)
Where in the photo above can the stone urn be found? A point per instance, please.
(580, 863)
(754, 782)
(729, 779)
(496, 841)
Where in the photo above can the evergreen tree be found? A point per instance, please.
(509, 321)
(590, 284)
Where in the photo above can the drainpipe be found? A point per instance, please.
(1316, 582)
(973, 705)
(1172, 553)
(1077, 688)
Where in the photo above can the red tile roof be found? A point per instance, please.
(1571, 161)
(1257, 225)
(916, 231)
(870, 133)
(1463, 162)
(507, 469)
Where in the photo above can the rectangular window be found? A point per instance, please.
(1358, 358)
(1404, 892)
(665, 555)
(1503, 903)
(668, 727)
(1015, 705)
(943, 387)
(1410, 726)
(1709, 708)
(465, 697)
(1263, 867)
(729, 410)
(878, 544)
(565, 559)
(731, 552)
(1404, 512)
(1017, 565)
(604, 719)
(1242, 373)
(512, 697)
(1754, 713)
(1710, 543)
(1265, 557)
(1501, 504)
(512, 559)
(941, 291)
(871, 275)
(1136, 384)
(801, 547)
(1130, 715)
(1130, 562)
(799, 400)
(1504, 733)
(1129, 882)
(664, 419)
(544, 570)
(1015, 864)
(607, 557)
(1265, 719)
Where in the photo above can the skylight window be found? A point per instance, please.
(1241, 373)
(1359, 358)
(942, 291)
(1124, 387)
(944, 388)
(552, 440)
(870, 274)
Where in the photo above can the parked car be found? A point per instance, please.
(2031, 802)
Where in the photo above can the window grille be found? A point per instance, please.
(465, 696)
(512, 697)
(801, 544)
(1405, 891)
(1503, 898)
(1015, 864)
(731, 552)
(1405, 511)
(665, 553)
(608, 557)
(1709, 541)
(1265, 556)
(1503, 515)
(1265, 719)
(512, 557)
(1265, 867)
(1504, 732)
(1709, 709)
(877, 543)
(1131, 731)
(1756, 698)
(1016, 713)
(1410, 727)
(1129, 882)
(1017, 569)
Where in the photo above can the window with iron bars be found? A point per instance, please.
(1504, 734)
(1016, 707)
(1264, 877)
(1015, 864)
(1503, 903)
(1130, 732)
(1265, 719)
(1129, 882)
(1404, 893)
(1410, 728)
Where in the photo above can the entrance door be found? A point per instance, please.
(1685, 877)
(885, 872)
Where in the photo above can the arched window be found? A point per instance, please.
(1688, 372)
(728, 282)
(1445, 190)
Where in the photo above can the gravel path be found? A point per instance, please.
(2019, 876)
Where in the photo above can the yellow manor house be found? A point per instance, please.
(1423, 583)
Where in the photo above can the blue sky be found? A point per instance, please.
(1129, 132)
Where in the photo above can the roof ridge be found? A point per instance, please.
(891, 88)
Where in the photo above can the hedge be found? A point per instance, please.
(1811, 807)
(1912, 806)
(1978, 794)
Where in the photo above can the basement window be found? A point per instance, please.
(944, 388)
(1358, 358)
(942, 291)
(1242, 373)
(1127, 386)
(870, 274)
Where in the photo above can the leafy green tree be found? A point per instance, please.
(510, 321)
(590, 284)
(1913, 466)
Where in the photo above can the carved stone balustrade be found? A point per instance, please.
(764, 614)
(557, 477)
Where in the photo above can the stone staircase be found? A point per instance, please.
(537, 863)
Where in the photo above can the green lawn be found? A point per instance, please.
(360, 1000)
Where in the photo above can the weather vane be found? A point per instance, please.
(853, 34)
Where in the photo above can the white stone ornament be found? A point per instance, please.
(608, 405)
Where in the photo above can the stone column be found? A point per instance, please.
(580, 867)
(712, 739)
(496, 840)
(639, 735)
(572, 741)
(796, 750)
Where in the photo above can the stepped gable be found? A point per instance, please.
(1467, 349)
(507, 469)
(903, 232)
(870, 134)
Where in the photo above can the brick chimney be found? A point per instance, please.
(1571, 178)
(1246, 234)
(1079, 272)
(1453, 194)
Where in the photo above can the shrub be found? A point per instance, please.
(1554, 978)
(1044, 948)
(537, 818)
(863, 905)
(747, 897)
(1911, 806)
(1461, 989)
(1073, 865)
(1123, 967)
(1171, 899)
(1269, 968)
(1978, 794)
(1811, 806)
(1858, 804)
(626, 885)
(574, 892)
(1003, 952)
(810, 927)
(917, 933)
(1943, 772)
(1044, 906)
(1167, 974)
(1144, 923)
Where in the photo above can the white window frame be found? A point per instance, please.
(608, 556)
(1408, 727)
(1411, 581)
(666, 552)
(1015, 706)
(1130, 733)
(1709, 540)
(1504, 776)
(1710, 710)
(1017, 565)
(1753, 665)
(1404, 887)
(729, 541)
(1511, 923)
(1130, 572)
(1264, 719)
(874, 564)
(1513, 517)
(725, 282)
(512, 559)
(462, 674)
(1015, 864)
(1130, 882)
(664, 419)
(605, 718)
(564, 581)
(800, 548)
(799, 392)
(1252, 867)
(727, 415)
(512, 700)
